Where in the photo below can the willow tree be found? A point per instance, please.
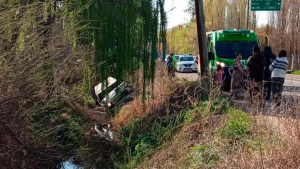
(123, 34)
(48, 50)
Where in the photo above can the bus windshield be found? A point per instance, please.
(230, 49)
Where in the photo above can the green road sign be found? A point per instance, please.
(266, 5)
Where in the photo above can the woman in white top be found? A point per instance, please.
(278, 68)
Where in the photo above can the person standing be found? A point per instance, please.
(269, 56)
(174, 61)
(256, 66)
(218, 77)
(237, 76)
(278, 68)
(171, 64)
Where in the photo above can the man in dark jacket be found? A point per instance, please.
(256, 67)
(269, 57)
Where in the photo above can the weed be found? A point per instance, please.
(217, 106)
(142, 138)
(58, 126)
(203, 155)
(82, 96)
(238, 125)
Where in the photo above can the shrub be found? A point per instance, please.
(238, 125)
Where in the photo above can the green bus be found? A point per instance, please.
(223, 45)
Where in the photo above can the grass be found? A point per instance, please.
(141, 139)
(295, 72)
(60, 127)
(225, 141)
(151, 133)
(238, 125)
(232, 139)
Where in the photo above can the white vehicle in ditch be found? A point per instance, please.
(121, 94)
(186, 64)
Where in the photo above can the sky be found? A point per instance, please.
(178, 16)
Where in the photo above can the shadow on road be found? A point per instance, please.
(294, 89)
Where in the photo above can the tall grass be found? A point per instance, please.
(235, 136)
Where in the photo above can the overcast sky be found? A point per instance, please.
(178, 16)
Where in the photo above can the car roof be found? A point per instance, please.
(185, 56)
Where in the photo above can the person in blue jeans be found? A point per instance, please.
(278, 68)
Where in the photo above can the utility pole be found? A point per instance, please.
(247, 19)
(164, 44)
(202, 48)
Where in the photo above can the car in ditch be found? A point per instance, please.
(113, 94)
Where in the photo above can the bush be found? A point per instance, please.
(57, 126)
(216, 106)
(238, 125)
(202, 155)
(142, 138)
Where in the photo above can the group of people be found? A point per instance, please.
(265, 71)
(266, 74)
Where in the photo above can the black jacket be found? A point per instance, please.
(256, 67)
(269, 57)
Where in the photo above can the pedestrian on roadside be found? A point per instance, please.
(218, 77)
(237, 77)
(256, 66)
(170, 64)
(269, 56)
(278, 68)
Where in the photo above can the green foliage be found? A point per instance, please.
(141, 139)
(80, 94)
(183, 41)
(295, 72)
(202, 155)
(215, 106)
(59, 127)
(125, 35)
(238, 125)
(87, 78)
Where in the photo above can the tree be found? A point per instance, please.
(50, 60)
(284, 27)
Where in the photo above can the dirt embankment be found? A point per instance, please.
(273, 143)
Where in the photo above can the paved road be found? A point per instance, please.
(291, 85)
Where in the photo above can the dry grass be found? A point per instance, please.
(278, 151)
(163, 87)
(174, 154)
(273, 140)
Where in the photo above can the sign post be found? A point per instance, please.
(266, 5)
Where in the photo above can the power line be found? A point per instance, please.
(172, 7)
(171, 10)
